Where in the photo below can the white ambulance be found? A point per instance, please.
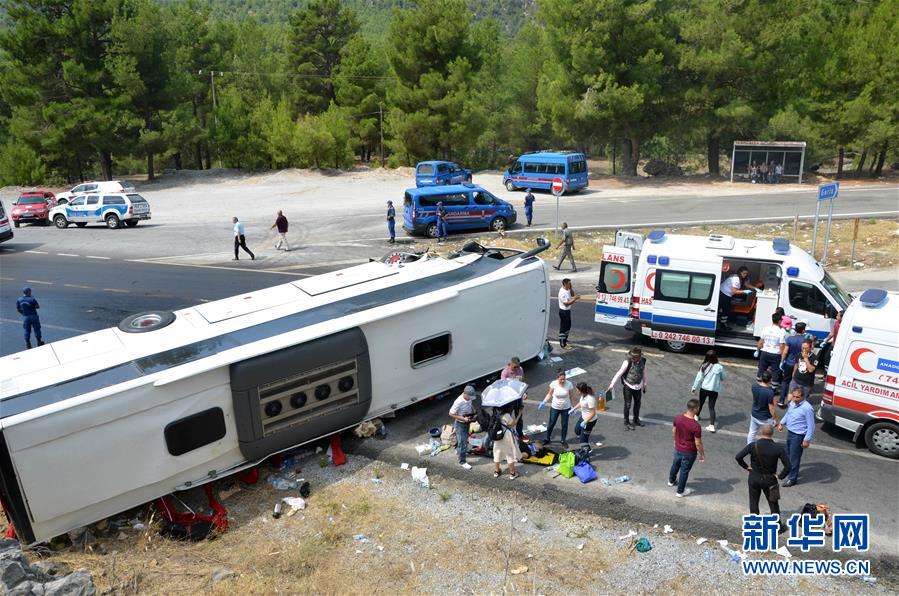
(672, 293)
(861, 391)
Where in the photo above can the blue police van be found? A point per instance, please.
(439, 173)
(467, 207)
(538, 169)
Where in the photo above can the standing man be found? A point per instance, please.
(633, 384)
(566, 299)
(462, 412)
(514, 370)
(800, 423)
(529, 206)
(441, 222)
(772, 349)
(391, 222)
(730, 287)
(281, 224)
(804, 371)
(763, 410)
(687, 445)
(567, 246)
(27, 306)
(763, 457)
(793, 347)
(240, 240)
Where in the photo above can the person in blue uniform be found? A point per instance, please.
(27, 307)
(441, 222)
(529, 206)
(391, 221)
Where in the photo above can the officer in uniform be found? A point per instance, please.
(529, 206)
(27, 307)
(441, 222)
(391, 223)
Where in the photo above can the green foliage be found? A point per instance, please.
(20, 165)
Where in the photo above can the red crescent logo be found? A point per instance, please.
(856, 355)
(621, 279)
(651, 281)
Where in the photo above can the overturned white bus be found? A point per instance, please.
(96, 424)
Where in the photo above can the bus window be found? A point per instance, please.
(530, 168)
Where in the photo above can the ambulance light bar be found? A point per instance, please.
(873, 297)
(781, 246)
(656, 236)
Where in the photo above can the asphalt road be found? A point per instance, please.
(79, 295)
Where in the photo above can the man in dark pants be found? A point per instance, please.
(566, 299)
(240, 240)
(529, 206)
(441, 222)
(391, 222)
(687, 447)
(764, 454)
(800, 423)
(633, 384)
(27, 306)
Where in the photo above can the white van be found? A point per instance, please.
(5, 230)
(673, 294)
(861, 391)
(104, 186)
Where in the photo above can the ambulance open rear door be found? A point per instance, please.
(613, 292)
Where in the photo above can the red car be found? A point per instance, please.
(33, 205)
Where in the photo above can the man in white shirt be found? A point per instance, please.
(566, 299)
(730, 287)
(772, 348)
(240, 240)
(462, 413)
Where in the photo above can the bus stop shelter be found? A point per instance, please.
(790, 154)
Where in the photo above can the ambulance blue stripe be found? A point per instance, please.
(612, 310)
(683, 322)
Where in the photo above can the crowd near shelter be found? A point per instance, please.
(790, 154)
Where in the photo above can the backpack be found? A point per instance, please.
(585, 472)
(496, 430)
(630, 365)
(566, 464)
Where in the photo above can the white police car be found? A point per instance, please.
(113, 209)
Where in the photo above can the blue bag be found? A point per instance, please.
(585, 472)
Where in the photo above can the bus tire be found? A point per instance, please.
(678, 347)
(144, 322)
(510, 186)
(882, 438)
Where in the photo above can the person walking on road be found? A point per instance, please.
(240, 240)
(800, 423)
(281, 224)
(763, 410)
(441, 222)
(708, 381)
(566, 299)
(462, 413)
(561, 399)
(763, 457)
(633, 384)
(529, 206)
(772, 349)
(687, 447)
(27, 306)
(567, 246)
(589, 415)
(391, 222)
(804, 371)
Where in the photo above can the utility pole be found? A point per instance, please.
(381, 130)
(215, 119)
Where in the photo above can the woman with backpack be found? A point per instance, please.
(561, 401)
(505, 444)
(708, 381)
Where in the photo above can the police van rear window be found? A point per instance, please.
(137, 199)
(448, 200)
(426, 169)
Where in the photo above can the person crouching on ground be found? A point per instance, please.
(506, 448)
(462, 413)
(589, 416)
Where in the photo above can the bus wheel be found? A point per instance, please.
(510, 186)
(678, 347)
(882, 438)
(145, 322)
(431, 230)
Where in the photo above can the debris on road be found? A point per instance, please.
(643, 545)
(784, 552)
(420, 475)
(295, 503)
(519, 570)
(667, 529)
(701, 540)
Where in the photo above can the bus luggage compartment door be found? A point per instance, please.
(301, 393)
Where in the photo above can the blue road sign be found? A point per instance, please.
(828, 192)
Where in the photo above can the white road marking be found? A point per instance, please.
(8, 278)
(47, 326)
(35, 281)
(645, 352)
(731, 433)
(571, 343)
(272, 271)
(116, 290)
(65, 254)
(37, 252)
(77, 286)
(102, 258)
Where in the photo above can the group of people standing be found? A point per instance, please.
(766, 173)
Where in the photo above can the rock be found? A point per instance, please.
(101, 525)
(8, 544)
(51, 569)
(78, 583)
(221, 574)
(858, 264)
(13, 572)
(17, 578)
(657, 167)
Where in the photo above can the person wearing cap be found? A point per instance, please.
(462, 413)
(529, 206)
(441, 222)
(391, 222)
(27, 306)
